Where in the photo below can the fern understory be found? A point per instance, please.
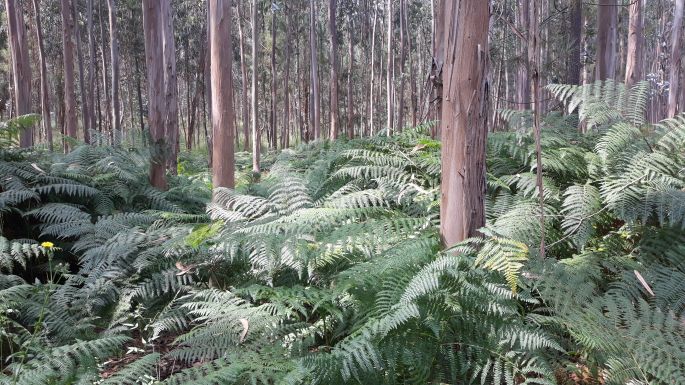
(329, 269)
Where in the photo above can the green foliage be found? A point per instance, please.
(10, 129)
(330, 270)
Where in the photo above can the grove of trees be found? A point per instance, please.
(342, 192)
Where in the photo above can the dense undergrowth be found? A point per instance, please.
(329, 269)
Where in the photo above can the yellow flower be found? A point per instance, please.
(47, 245)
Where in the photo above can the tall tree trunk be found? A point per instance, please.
(576, 30)
(464, 119)
(315, 114)
(69, 82)
(523, 80)
(44, 82)
(92, 61)
(243, 72)
(372, 111)
(82, 78)
(98, 109)
(285, 135)
(170, 86)
(534, 59)
(636, 42)
(412, 75)
(222, 90)
(153, 26)
(497, 96)
(438, 62)
(350, 101)
(403, 59)
(107, 117)
(304, 97)
(207, 97)
(21, 68)
(334, 105)
(192, 112)
(59, 95)
(114, 59)
(256, 139)
(189, 88)
(676, 59)
(131, 107)
(274, 116)
(192, 116)
(389, 73)
(607, 36)
(139, 93)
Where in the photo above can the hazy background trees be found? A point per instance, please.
(305, 70)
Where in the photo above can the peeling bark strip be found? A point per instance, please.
(222, 91)
(464, 118)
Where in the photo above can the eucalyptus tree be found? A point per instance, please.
(220, 26)
(464, 123)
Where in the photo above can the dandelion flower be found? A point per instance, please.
(47, 245)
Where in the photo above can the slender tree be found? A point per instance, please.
(576, 31)
(403, 60)
(274, 85)
(207, 96)
(21, 68)
(70, 121)
(170, 86)
(607, 36)
(438, 62)
(523, 74)
(412, 75)
(256, 139)
(676, 58)
(114, 60)
(243, 72)
(44, 82)
(636, 42)
(105, 117)
(389, 70)
(315, 114)
(350, 69)
(534, 57)
(464, 118)
(92, 67)
(371, 102)
(222, 89)
(285, 135)
(85, 119)
(334, 105)
(154, 60)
